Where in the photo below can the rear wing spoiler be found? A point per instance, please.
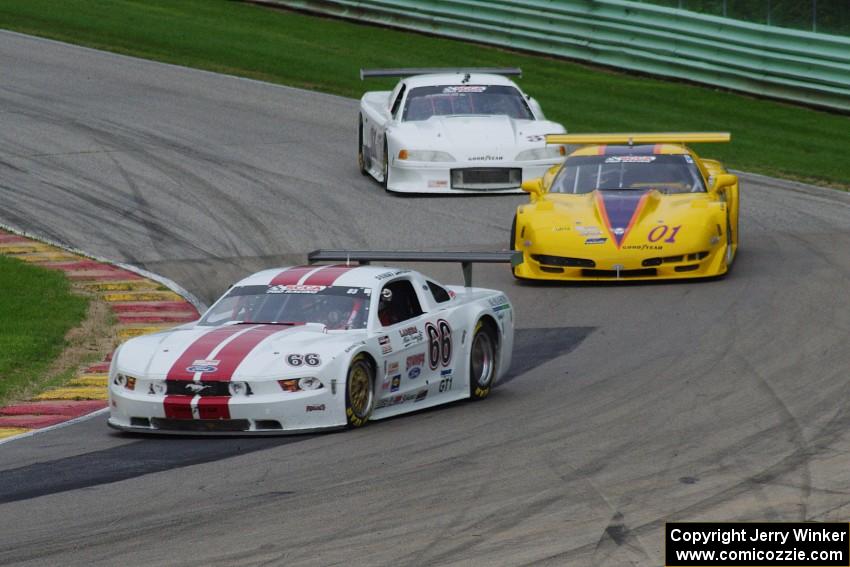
(640, 138)
(408, 72)
(465, 259)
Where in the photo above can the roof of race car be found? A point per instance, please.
(324, 275)
(457, 79)
(637, 150)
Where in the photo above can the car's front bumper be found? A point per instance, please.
(625, 267)
(435, 177)
(277, 414)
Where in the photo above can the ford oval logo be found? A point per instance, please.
(414, 372)
(201, 368)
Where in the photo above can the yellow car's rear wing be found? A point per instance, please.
(640, 138)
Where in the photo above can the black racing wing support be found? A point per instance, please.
(465, 259)
(410, 71)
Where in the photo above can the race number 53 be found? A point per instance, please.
(439, 343)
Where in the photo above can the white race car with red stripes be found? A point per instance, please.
(312, 347)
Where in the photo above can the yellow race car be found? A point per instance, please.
(629, 207)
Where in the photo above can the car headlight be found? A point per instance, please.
(424, 155)
(547, 152)
(128, 382)
(299, 384)
(157, 388)
(239, 389)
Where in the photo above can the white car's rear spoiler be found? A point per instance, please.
(465, 259)
(407, 72)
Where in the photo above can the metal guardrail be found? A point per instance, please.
(753, 58)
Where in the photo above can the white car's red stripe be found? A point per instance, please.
(327, 275)
(291, 276)
(233, 352)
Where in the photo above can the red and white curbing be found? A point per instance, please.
(142, 303)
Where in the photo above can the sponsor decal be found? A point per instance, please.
(643, 247)
(204, 366)
(446, 372)
(560, 228)
(319, 407)
(386, 347)
(589, 231)
(411, 335)
(415, 360)
(465, 89)
(488, 157)
(437, 184)
(395, 383)
(535, 138)
(294, 288)
(414, 372)
(386, 383)
(310, 359)
(392, 368)
(446, 384)
(630, 159)
(600, 240)
(499, 303)
(402, 398)
(387, 275)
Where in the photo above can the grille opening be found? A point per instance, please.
(645, 272)
(203, 425)
(267, 424)
(551, 270)
(563, 261)
(140, 422)
(674, 259)
(484, 178)
(689, 268)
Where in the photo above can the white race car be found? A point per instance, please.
(311, 347)
(453, 131)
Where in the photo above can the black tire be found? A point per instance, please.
(361, 159)
(513, 245)
(482, 361)
(359, 391)
(730, 260)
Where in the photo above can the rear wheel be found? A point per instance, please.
(730, 254)
(359, 392)
(513, 245)
(361, 159)
(482, 362)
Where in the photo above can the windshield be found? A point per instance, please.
(668, 173)
(425, 102)
(337, 307)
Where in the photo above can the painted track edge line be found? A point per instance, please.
(34, 432)
(170, 284)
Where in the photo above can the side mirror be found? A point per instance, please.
(724, 180)
(533, 186)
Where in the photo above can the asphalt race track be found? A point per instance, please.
(630, 405)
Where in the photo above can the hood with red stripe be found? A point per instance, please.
(231, 352)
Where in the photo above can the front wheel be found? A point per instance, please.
(359, 392)
(482, 362)
(513, 244)
(386, 167)
(361, 159)
(730, 255)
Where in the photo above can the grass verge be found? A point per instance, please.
(37, 311)
(769, 137)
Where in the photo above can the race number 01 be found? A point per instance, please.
(439, 343)
(660, 232)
